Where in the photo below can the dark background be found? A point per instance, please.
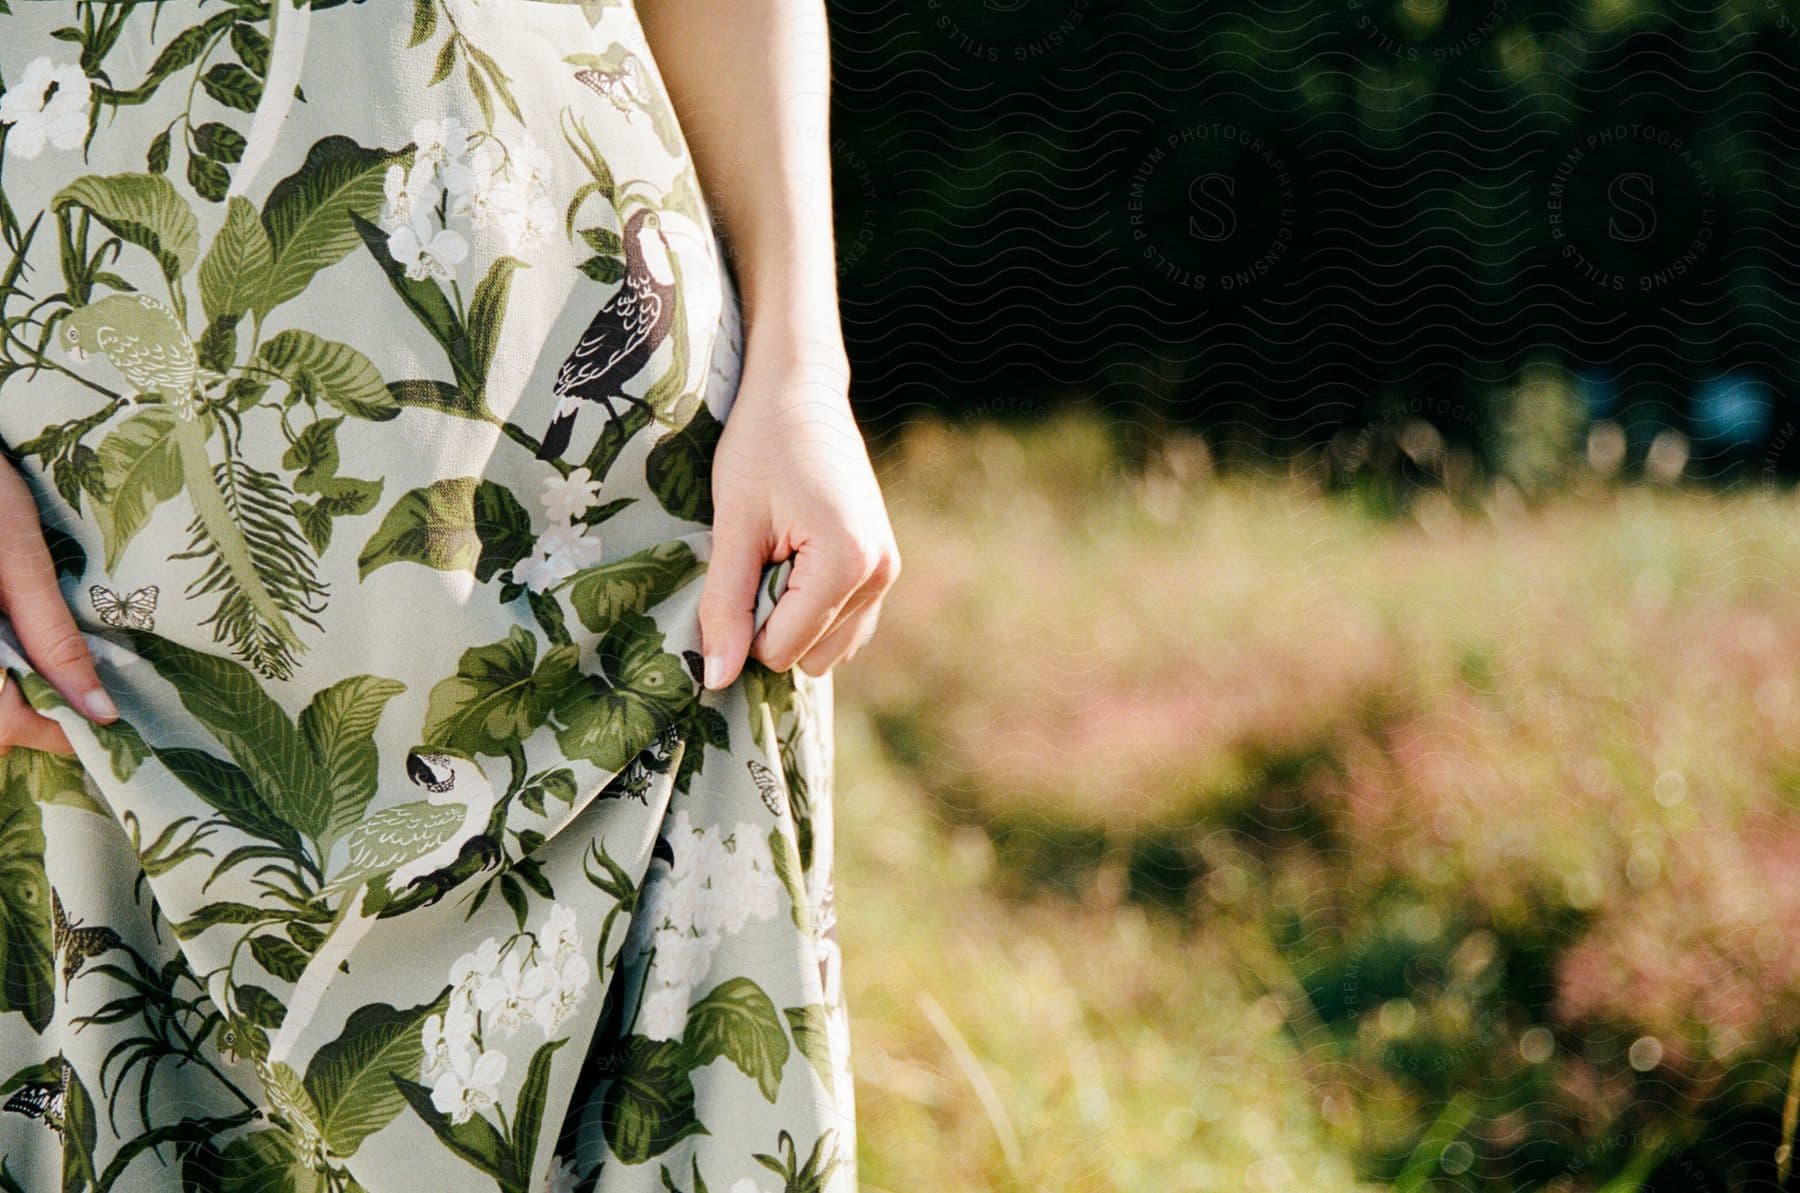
(1275, 222)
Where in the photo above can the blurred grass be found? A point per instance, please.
(1206, 832)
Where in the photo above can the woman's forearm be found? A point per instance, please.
(750, 81)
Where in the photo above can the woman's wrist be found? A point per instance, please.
(795, 336)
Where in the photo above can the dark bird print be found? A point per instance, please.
(77, 944)
(622, 337)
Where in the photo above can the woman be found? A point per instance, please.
(384, 434)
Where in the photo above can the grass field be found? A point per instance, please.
(1206, 833)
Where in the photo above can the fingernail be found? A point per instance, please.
(100, 705)
(714, 671)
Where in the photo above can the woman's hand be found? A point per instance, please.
(29, 596)
(792, 477)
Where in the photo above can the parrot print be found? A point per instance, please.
(143, 340)
(366, 362)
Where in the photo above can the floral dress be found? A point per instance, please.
(367, 361)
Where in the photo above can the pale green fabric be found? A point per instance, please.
(367, 361)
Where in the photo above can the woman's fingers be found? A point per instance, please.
(728, 599)
(843, 640)
(31, 598)
(829, 579)
(23, 725)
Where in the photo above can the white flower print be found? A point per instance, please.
(458, 181)
(471, 971)
(531, 164)
(444, 1035)
(561, 934)
(562, 550)
(563, 988)
(745, 1185)
(682, 958)
(443, 141)
(526, 222)
(664, 1013)
(563, 1177)
(486, 206)
(47, 105)
(510, 192)
(741, 886)
(470, 1083)
(410, 193)
(697, 851)
(426, 250)
(506, 1003)
(567, 497)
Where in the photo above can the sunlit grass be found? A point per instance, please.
(1168, 775)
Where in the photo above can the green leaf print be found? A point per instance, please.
(487, 311)
(649, 1106)
(474, 1139)
(340, 724)
(220, 142)
(424, 22)
(422, 296)
(606, 719)
(679, 467)
(280, 957)
(212, 915)
(238, 264)
(788, 869)
(814, 1174)
(327, 369)
(27, 964)
(454, 524)
(252, 48)
(738, 1021)
(80, 1132)
(143, 209)
(263, 1162)
(468, 351)
(310, 214)
(499, 695)
(349, 1077)
(291, 768)
(189, 1140)
(812, 1038)
(140, 466)
(210, 179)
(227, 788)
(58, 779)
(182, 51)
(314, 458)
(233, 86)
(528, 1119)
(257, 559)
(634, 584)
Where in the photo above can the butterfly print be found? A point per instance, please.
(41, 1100)
(767, 783)
(77, 944)
(133, 611)
(622, 88)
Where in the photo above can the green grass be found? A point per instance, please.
(1208, 833)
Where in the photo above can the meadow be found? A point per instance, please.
(1211, 829)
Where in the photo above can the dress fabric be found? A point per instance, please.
(367, 361)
